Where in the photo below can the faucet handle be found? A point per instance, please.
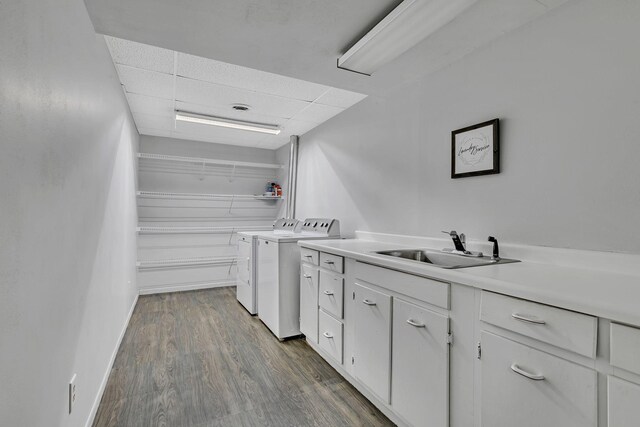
(451, 233)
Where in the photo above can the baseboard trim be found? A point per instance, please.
(103, 384)
(185, 287)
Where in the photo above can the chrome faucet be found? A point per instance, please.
(459, 243)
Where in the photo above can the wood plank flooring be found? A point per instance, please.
(199, 359)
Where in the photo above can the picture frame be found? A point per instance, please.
(475, 150)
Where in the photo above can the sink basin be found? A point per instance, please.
(443, 259)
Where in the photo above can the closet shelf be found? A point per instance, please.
(200, 230)
(185, 262)
(199, 161)
(202, 196)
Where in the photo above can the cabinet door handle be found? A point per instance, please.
(306, 276)
(328, 293)
(308, 256)
(327, 335)
(366, 301)
(416, 324)
(518, 370)
(528, 319)
(329, 262)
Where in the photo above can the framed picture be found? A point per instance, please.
(475, 150)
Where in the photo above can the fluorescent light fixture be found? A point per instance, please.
(185, 116)
(408, 24)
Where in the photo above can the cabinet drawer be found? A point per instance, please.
(525, 387)
(625, 347)
(330, 336)
(623, 403)
(421, 288)
(332, 262)
(309, 255)
(331, 293)
(565, 329)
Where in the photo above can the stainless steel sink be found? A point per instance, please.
(443, 259)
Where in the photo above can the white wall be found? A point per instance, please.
(67, 212)
(566, 90)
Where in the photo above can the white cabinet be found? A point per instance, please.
(331, 293)
(372, 346)
(624, 403)
(623, 398)
(245, 289)
(309, 302)
(566, 329)
(525, 387)
(330, 336)
(625, 347)
(268, 289)
(420, 365)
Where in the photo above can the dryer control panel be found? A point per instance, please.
(328, 227)
(286, 225)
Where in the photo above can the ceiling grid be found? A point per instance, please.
(158, 82)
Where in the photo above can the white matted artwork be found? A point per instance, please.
(475, 150)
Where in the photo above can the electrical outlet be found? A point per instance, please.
(72, 393)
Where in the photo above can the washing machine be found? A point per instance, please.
(278, 274)
(246, 285)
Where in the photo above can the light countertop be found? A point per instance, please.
(603, 294)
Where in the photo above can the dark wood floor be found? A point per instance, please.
(199, 359)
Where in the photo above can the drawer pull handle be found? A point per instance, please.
(416, 324)
(366, 301)
(528, 319)
(327, 335)
(329, 262)
(308, 256)
(329, 293)
(306, 276)
(518, 370)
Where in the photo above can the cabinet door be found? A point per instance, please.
(309, 302)
(420, 365)
(624, 403)
(268, 290)
(244, 287)
(525, 387)
(372, 347)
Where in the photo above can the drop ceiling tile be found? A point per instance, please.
(340, 98)
(144, 82)
(230, 113)
(150, 105)
(298, 127)
(275, 143)
(318, 113)
(203, 93)
(140, 55)
(208, 70)
(149, 121)
(155, 132)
